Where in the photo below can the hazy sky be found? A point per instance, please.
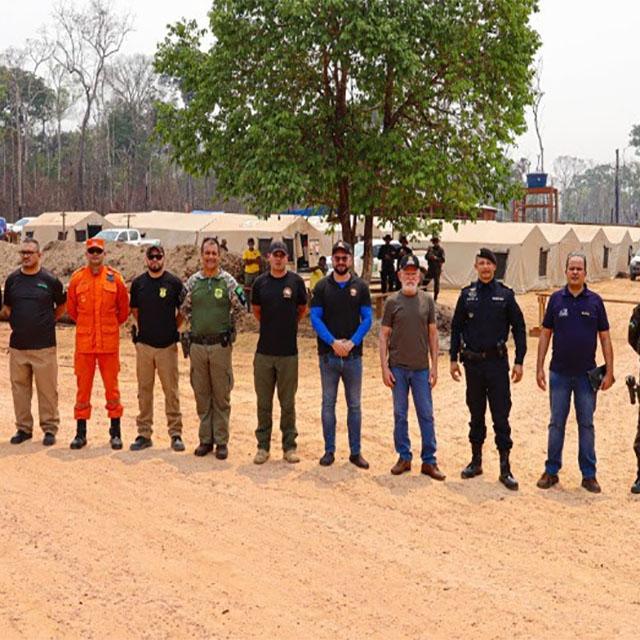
(591, 90)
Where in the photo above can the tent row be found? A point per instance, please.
(533, 256)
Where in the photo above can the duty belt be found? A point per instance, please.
(213, 338)
(479, 356)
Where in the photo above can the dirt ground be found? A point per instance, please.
(102, 544)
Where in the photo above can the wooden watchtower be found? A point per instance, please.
(544, 198)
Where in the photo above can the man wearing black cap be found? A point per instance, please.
(341, 316)
(387, 255)
(156, 297)
(435, 260)
(279, 301)
(485, 312)
(408, 341)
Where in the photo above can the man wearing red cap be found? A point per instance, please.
(98, 302)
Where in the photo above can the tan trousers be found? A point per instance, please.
(24, 366)
(165, 362)
(212, 381)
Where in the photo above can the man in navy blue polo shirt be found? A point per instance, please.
(576, 317)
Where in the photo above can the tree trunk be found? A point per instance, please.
(367, 256)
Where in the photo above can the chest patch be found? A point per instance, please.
(42, 285)
(586, 313)
(217, 294)
(497, 298)
(163, 292)
(353, 292)
(111, 277)
(564, 313)
(287, 293)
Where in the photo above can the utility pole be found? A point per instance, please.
(617, 205)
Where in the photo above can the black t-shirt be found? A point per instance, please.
(157, 300)
(278, 299)
(341, 308)
(33, 299)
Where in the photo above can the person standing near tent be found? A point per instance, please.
(156, 297)
(279, 303)
(317, 273)
(341, 316)
(403, 251)
(484, 313)
(387, 255)
(435, 260)
(213, 302)
(576, 318)
(34, 300)
(251, 261)
(98, 302)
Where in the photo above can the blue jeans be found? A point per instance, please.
(418, 382)
(561, 387)
(349, 370)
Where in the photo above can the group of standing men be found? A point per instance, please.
(211, 301)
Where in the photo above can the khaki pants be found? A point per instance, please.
(270, 372)
(165, 362)
(24, 366)
(212, 381)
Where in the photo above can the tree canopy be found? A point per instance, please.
(375, 107)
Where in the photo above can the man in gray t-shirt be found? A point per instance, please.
(408, 336)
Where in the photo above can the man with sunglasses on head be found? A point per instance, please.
(341, 316)
(156, 297)
(279, 302)
(33, 300)
(213, 302)
(98, 302)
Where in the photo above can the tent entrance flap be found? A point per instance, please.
(502, 257)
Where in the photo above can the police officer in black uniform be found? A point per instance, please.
(485, 311)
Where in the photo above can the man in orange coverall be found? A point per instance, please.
(98, 301)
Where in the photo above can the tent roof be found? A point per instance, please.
(554, 232)
(54, 218)
(487, 232)
(162, 220)
(245, 222)
(586, 232)
(615, 234)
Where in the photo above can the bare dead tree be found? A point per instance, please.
(536, 107)
(85, 40)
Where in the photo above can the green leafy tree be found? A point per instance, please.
(380, 108)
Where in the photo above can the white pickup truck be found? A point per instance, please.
(128, 236)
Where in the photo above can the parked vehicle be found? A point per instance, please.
(128, 236)
(17, 227)
(634, 266)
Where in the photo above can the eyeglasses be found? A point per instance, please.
(155, 256)
(25, 254)
(94, 251)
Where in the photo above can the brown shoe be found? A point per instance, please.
(591, 484)
(547, 481)
(402, 466)
(203, 448)
(432, 471)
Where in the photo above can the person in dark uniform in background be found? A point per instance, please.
(435, 260)
(402, 251)
(485, 312)
(387, 256)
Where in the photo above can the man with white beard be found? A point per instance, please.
(408, 339)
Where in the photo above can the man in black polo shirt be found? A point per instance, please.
(156, 296)
(278, 301)
(341, 316)
(33, 300)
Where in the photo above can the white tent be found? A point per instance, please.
(593, 243)
(562, 240)
(517, 246)
(620, 248)
(65, 225)
(333, 232)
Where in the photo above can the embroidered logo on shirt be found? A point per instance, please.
(42, 285)
(563, 313)
(111, 276)
(497, 298)
(217, 294)
(286, 292)
(163, 292)
(353, 292)
(585, 313)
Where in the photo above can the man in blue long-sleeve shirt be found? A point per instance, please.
(341, 316)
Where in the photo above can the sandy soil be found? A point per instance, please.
(102, 544)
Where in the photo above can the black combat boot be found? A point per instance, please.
(81, 435)
(474, 468)
(506, 476)
(114, 432)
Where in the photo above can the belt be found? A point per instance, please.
(213, 338)
(479, 356)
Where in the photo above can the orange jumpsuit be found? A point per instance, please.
(99, 304)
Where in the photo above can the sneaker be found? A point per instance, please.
(176, 443)
(140, 443)
(48, 439)
(262, 455)
(20, 436)
(327, 459)
(291, 456)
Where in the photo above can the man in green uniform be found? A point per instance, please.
(213, 302)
